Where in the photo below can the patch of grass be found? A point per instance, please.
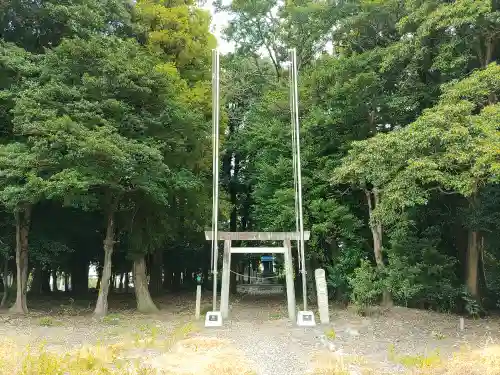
(438, 335)
(333, 364)
(153, 337)
(420, 361)
(39, 361)
(330, 334)
(152, 331)
(112, 319)
(207, 356)
(467, 362)
(416, 361)
(47, 321)
(69, 309)
(275, 315)
(115, 359)
(479, 362)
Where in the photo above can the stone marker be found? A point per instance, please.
(198, 302)
(322, 292)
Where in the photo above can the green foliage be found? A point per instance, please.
(38, 25)
(180, 31)
(366, 284)
(419, 275)
(341, 269)
(472, 306)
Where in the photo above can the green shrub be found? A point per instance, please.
(340, 270)
(366, 285)
(471, 305)
(418, 274)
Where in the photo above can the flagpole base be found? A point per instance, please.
(213, 319)
(306, 319)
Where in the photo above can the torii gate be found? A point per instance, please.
(286, 249)
(214, 318)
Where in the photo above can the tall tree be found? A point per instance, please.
(108, 110)
(450, 147)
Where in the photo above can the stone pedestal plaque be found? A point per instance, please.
(213, 319)
(322, 293)
(305, 319)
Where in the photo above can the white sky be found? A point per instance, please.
(219, 21)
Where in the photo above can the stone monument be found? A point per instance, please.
(322, 293)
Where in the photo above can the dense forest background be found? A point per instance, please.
(105, 144)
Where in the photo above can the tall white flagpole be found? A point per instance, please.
(215, 169)
(299, 175)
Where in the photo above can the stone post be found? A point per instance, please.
(226, 277)
(198, 302)
(322, 293)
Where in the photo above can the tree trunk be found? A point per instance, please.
(297, 275)
(473, 252)
(5, 280)
(112, 283)
(99, 278)
(155, 281)
(127, 282)
(120, 285)
(66, 282)
(144, 302)
(54, 281)
(167, 275)
(474, 249)
(377, 234)
(36, 283)
(101, 307)
(45, 281)
(23, 219)
(176, 279)
(80, 276)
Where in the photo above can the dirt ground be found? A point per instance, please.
(258, 329)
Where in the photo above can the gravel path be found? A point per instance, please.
(273, 348)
